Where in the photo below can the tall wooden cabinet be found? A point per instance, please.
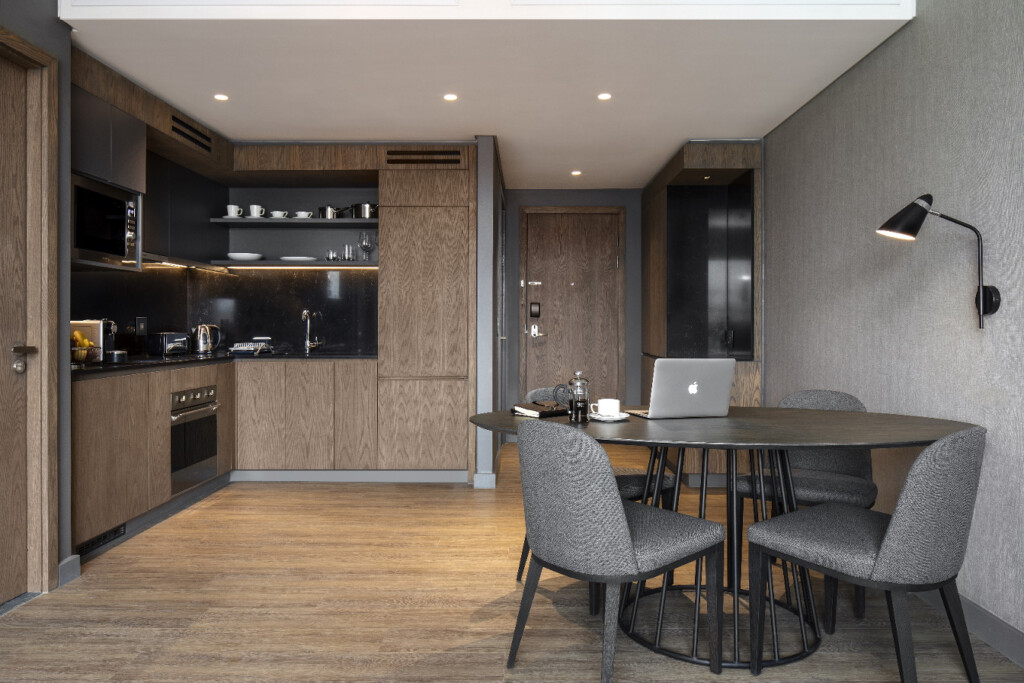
(426, 314)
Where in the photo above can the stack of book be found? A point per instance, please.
(539, 409)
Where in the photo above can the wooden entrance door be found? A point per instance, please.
(572, 268)
(28, 163)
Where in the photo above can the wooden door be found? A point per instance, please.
(571, 261)
(13, 389)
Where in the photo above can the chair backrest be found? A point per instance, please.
(927, 536)
(574, 515)
(856, 462)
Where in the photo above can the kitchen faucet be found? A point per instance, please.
(308, 316)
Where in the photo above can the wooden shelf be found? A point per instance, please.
(296, 222)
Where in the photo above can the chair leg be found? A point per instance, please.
(532, 578)
(831, 599)
(955, 612)
(715, 616)
(522, 559)
(899, 619)
(758, 573)
(594, 596)
(859, 601)
(611, 629)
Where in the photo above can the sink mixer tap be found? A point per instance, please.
(307, 317)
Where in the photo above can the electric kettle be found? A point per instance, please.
(207, 338)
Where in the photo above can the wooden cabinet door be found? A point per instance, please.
(284, 413)
(109, 460)
(355, 415)
(424, 188)
(422, 323)
(422, 424)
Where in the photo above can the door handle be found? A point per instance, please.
(534, 332)
(21, 349)
(19, 366)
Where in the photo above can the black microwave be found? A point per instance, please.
(104, 224)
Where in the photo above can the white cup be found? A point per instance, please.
(234, 211)
(609, 407)
(303, 214)
(255, 210)
(279, 214)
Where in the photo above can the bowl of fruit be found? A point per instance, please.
(80, 347)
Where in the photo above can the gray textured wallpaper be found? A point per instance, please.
(938, 108)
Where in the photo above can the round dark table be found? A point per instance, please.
(774, 431)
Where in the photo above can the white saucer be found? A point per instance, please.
(298, 258)
(608, 418)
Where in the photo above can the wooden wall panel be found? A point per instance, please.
(646, 377)
(423, 424)
(654, 274)
(355, 415)
(412, 152)
(305, 157)
(424, 188)
(423, 292)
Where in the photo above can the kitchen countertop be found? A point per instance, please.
(145, 364)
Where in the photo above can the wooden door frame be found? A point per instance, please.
(41, 288)
(620, 285)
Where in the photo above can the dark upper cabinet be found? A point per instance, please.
(176, 213)
(107, 143)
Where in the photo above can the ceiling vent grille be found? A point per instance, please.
(191, 135)
(434, 157)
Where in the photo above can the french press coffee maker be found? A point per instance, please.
(579, 398)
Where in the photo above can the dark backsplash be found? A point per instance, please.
(251, 303)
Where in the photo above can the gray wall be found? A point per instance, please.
(36, 21)
(631, 200)
(938, 108)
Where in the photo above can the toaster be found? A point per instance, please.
(168, 343)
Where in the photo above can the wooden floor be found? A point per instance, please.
(377, 582)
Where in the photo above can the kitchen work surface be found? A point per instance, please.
(383, 582)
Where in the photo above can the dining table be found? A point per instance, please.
(769, 435)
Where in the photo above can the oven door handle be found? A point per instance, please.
(195, 413)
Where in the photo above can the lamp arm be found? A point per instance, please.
(981, 275)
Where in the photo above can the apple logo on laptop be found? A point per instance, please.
(692, 388)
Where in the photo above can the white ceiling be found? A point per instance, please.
(531, 83)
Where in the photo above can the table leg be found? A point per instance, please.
(733, 501)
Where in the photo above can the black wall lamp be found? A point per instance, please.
(907, 223)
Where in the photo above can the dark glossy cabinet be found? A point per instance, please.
(176, 213)
(107, 143)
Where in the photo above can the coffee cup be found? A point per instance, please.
(607, 407)
(255, 210)
(303, 214)
(278, 214)
(234, 211)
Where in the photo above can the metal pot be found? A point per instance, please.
(365, 210)
(330, 212)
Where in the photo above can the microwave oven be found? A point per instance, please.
(104, 224)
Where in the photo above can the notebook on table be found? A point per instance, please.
(689, 387)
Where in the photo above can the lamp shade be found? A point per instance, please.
(906, 223)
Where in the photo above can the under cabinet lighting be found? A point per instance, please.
(302, 267)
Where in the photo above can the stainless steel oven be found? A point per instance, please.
(193, 437)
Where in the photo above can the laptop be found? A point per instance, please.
(689, 387)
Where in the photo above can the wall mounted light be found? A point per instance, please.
(907, 223)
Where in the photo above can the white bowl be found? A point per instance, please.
(244, 256)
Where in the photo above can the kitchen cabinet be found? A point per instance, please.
(285, 414)
(355, 415)
(422, 424)
(109, 463)
(176, 213)
(106, 142)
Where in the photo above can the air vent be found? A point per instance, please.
(95, 542)
(434, 157)
(191, 135)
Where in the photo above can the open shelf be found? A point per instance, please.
(296, 222)
(271, 263)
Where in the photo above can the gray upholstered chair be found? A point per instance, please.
(631, 481)
(919, 547)
(578, 525)
(824, 475)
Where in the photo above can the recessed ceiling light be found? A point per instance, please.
(451, 97)
(577, 173)
(604, 96)
(707, 177)
(221, 97)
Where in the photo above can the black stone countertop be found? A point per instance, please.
(142, 364)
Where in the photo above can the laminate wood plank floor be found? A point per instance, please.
(380, 582)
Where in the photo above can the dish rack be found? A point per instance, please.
(251, 348)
